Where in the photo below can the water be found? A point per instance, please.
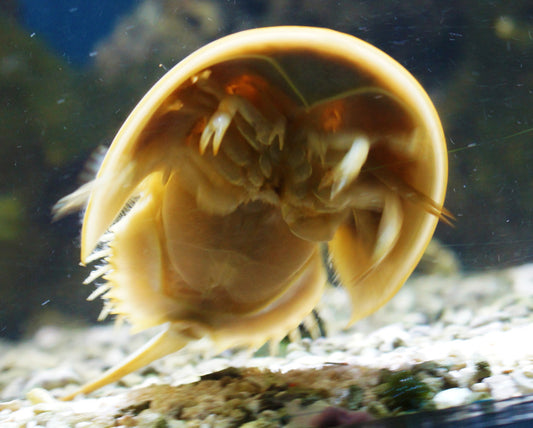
(70, 74)
(67, 88)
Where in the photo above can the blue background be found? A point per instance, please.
(72, 27)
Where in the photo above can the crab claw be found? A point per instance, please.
(347, 170)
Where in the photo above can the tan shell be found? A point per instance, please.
(214, 200)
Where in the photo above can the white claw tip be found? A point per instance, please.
(347, 170)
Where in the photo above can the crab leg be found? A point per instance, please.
(167, 342)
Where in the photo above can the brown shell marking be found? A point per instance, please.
(214, 200)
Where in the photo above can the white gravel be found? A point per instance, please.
(476, 329)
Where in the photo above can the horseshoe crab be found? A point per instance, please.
(214, 201)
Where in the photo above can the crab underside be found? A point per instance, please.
(212, 218)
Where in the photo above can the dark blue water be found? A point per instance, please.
(72, 27)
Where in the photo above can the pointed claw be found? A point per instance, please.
(215, 129)
(389, 227)
(349, 167)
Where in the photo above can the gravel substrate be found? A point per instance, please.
(442, 341)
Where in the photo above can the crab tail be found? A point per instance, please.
(167, 342)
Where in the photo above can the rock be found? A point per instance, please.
(452, 397)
